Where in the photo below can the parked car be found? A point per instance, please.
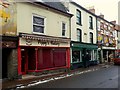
(117, 57)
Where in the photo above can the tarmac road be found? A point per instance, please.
(102, 78)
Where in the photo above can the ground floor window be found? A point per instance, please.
(93, 54)
(76, 56)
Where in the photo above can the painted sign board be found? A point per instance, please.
(8, 18)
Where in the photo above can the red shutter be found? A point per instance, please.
(59, 57)
(45, 60)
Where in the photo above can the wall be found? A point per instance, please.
(53, 20)
(8, 18)
(84, 27)
(119, 24)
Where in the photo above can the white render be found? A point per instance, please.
(53, 20)
(85, 25)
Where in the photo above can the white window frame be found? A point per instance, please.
(39, 25)
(64, 29)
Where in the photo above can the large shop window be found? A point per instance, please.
(38, 24)
(31, 59)
(76, 56)
(90, 52)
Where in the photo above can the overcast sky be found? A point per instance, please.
(107, 7)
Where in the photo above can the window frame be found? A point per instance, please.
(91, 38)
(78, 17)
(90, 22)
(43, 26)
(65, 29)
(80, 35)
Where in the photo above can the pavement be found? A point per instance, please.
(29, 79)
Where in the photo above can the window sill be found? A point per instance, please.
(38, 33)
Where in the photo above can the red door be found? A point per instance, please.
(23, 61)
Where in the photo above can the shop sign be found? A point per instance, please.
(42, 43)
(8, 44)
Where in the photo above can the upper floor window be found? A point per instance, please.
(91, 37)
(63, 28)
(78, 17)
(90, 22)
(79, 35)
(38, 24)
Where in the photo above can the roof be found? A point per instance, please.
(57, 5)
(90, 12)
(54, 5)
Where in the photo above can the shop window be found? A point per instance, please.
(90, 52)
(38, 24)
(95, 54)
(76, 56)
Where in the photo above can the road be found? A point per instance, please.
(102, 78)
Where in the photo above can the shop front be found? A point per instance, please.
(78, 52)
(107, 51)
(39, 53)
(9, 57)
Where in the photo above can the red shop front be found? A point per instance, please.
(40, 53)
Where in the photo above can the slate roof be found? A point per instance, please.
(57, 5)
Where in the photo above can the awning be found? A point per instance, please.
(80, 46)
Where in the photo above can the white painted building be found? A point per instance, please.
(83, 34)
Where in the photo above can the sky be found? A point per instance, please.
(109, 8)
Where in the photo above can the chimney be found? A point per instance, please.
(114, 22)
(101, 15)
(91, 9)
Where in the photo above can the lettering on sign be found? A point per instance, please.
(44, 43)
(8, 44)
(28, 42)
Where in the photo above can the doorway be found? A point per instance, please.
(23, 61)
(5, 56)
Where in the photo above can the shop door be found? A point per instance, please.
(23, 61)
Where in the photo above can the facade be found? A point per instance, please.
(83, 35)
(107, 38)
(9, 41)
(44, 37)
(39, 41)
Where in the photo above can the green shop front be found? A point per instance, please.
(79, 50)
